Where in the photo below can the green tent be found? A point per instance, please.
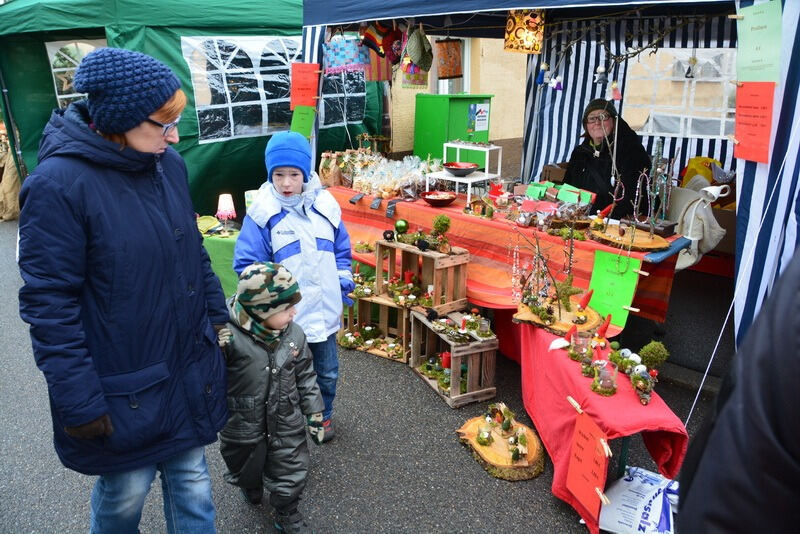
(216, 163)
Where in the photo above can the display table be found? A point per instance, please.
(549, 377)
(490, 243)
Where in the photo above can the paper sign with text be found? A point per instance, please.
(305, 85)
(588, 464)
(614, 280)
(303, 120)
(753, 120)
(758, 47)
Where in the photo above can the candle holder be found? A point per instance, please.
(225, 211)
(605, 378)
(581, 345)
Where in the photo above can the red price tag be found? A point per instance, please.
(305, 85)
(588, 464)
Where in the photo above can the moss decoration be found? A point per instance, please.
(653, 354)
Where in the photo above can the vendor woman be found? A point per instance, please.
(590, 166)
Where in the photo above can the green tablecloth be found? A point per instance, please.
(220, 250)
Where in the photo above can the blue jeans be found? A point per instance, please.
(117, 499)
(326, 365)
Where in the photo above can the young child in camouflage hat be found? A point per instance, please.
(271, 385)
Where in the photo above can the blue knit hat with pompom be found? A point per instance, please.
(124, 87)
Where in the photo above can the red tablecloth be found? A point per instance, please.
(547, 379)
(490, 242)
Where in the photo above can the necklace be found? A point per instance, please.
(596, 149)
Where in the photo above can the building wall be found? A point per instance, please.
(502, 74)
(493, 71)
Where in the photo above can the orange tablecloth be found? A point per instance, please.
(490, 243)
(547, 379)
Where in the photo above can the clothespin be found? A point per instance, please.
(733, 139)
(606, 448)
(736, 16)
(641, 273)
(737, 83)
(602, 496)
(631, 309)
(574, 404)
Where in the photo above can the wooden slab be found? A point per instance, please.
(641, 239)
(560, 327)
(496, 457)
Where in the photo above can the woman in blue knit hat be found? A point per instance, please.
(293, 221)
(120, 296)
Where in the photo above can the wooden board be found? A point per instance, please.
(641, 239)
(496, 457)
(560, 327)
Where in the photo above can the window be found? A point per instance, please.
(241, 84)
(344, 99)
(682, 93)
(65, 56)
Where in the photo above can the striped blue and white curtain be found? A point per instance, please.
(553, 118)
(768, 210)
(313, 37)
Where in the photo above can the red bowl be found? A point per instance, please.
(460, 168)
(438, 199)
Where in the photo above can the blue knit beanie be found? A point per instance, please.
(288, 149)
(124, 87)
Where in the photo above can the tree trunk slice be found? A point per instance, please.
(496, 457)
(641, 240)
(560, 327)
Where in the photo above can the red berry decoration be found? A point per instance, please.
(474, 311)
(654, 373)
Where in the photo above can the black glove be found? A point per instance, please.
(99, 427)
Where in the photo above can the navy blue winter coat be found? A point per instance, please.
(120, 298)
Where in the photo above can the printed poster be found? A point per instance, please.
(481, 117)
(758, 48)
(753, 120)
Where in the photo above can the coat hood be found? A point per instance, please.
(67, 133)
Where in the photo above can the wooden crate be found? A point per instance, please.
(447, 273)
(479, 355)
(393, 325)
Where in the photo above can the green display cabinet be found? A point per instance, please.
(442, 118)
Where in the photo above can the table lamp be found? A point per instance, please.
(225, 210)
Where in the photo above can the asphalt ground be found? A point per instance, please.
(396, 464)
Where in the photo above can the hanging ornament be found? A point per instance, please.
(615, 92)
(600, 75)
(543, 68)
(555, 83)
(690, 68)
(401, 226)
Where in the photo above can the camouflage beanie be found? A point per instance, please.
(264, 289)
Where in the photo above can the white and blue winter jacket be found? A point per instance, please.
(306, 235)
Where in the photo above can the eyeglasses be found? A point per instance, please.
(598, 118)
(166, 127)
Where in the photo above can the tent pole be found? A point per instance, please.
(14, 137)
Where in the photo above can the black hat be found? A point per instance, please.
(599, 103)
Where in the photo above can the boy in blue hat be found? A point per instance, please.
(293, 221)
